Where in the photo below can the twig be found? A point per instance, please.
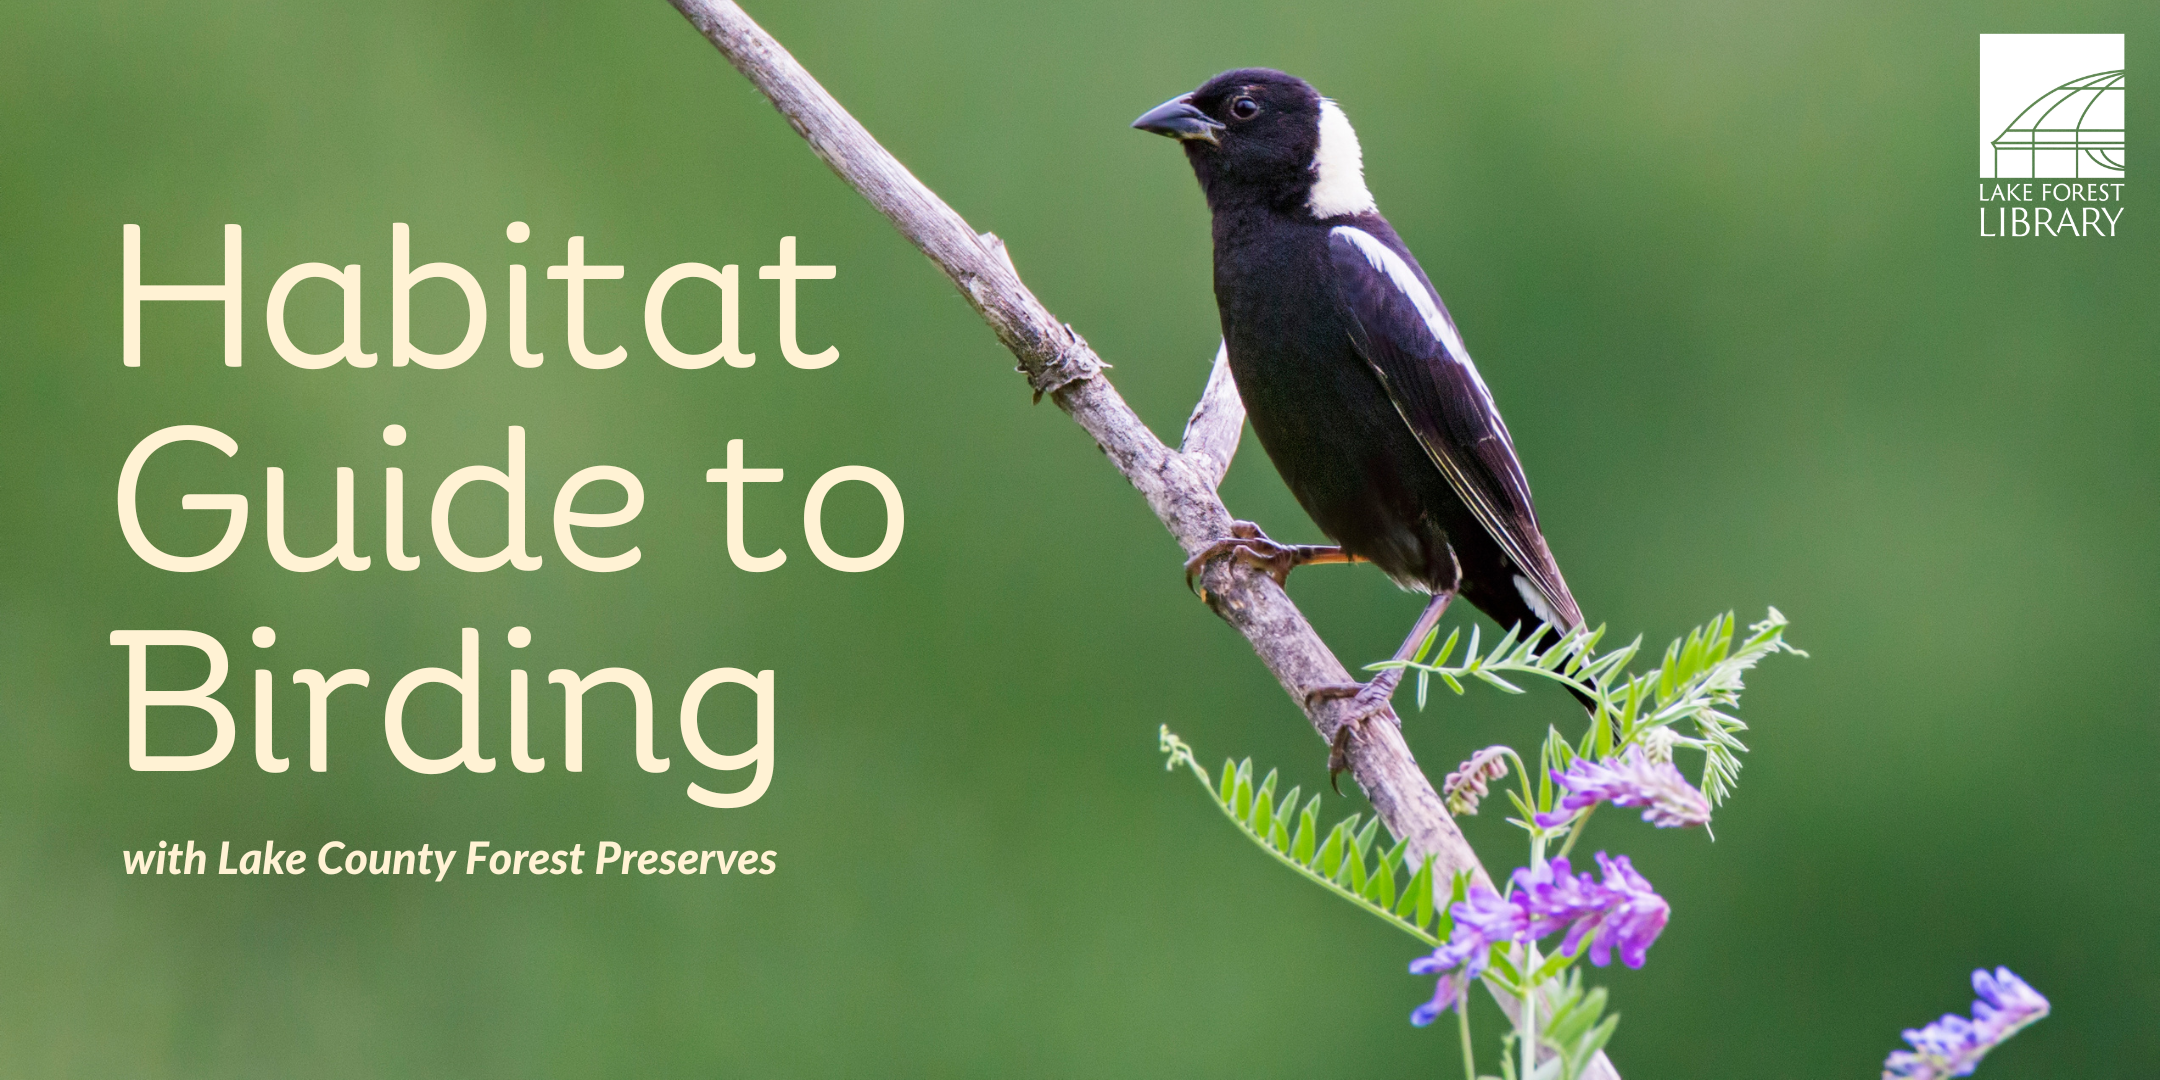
(1211, 436)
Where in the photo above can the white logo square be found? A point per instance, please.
(2051, 105)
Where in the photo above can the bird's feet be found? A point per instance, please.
(1367, 700)
(1253, 548)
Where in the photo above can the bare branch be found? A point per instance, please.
(1178, 486)
(1211, 436)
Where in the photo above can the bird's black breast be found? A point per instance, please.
(1321, 413)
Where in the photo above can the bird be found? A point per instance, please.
(1353, 373)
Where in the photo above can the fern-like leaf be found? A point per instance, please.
(1577, 1027)
(1346, 863)
(1697, 683)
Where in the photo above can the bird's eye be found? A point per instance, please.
(1244, 108)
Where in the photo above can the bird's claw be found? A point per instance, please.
(1367, 700)
(1338, 755)
(1253, 548)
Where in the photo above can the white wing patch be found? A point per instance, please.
(1338, 168)
(1405, 280)
(1536, 600)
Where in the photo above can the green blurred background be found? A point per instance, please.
(1718, 262)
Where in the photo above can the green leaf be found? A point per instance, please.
(1308, 828)
(1558, 652)
(1385, 864)
(1617, 660)
(1241, 798)
(1507, 641)
(1596, 1041)
(1559, 753)
(1691, 657)
(1385, 879)
(1288, 808)
(1228, 794)
(1421, 894)
(1566, 1017)
(1365, 835)
(1444, 924)
(1392, 858)
(1497, 681)
(1448, 649)
(1585, 648)
(1406, 905)
(1572, 1028)
(1331, 852)
(1503, 966)
(1425, 645)
(1554, 965)
(1263, 805)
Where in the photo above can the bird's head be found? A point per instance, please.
(1258, 135)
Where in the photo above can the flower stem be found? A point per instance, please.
(1528, 1025)
(1575, 833)
(1462, 1019)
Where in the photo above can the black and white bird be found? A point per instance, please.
(1351, 369)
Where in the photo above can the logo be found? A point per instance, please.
(2051, 135)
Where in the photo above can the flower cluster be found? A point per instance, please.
(1621, 912)
(1953, 1045)
(1633, 779)
(1466, 785)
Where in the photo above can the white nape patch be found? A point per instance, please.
(1338, 168)
(1384, 259)
(1537, 602)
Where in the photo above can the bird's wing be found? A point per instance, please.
(1399, 326)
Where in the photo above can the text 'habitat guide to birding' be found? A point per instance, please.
(474, 711)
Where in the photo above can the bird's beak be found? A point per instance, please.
(1181, 120)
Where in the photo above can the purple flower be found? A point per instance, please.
(2006, 1003)
(1490, 917)
(1953, 1045)
(1555, 898)
(1466, 785)
(1621, 912)
(1481, 918)
(1633, 918)
(1633, 779)
(1447, 994)
(1454, 982)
